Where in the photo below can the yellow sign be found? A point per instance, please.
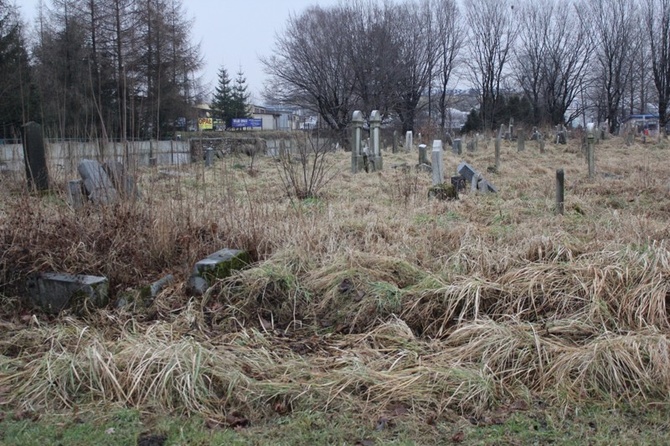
(205, 123)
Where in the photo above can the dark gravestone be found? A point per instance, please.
(97, 183)
(457, 147)
(470, 173)
(34, 156)
(458, 182)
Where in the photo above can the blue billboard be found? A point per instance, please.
(238, 123)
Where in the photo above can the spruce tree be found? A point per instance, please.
(222, 104)
(240, 96)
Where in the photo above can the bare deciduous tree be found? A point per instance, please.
(309, 66)
(613, 23)
(493, 31)
(552, 58)
(657, 16)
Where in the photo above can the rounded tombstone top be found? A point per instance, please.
(375, 116)
(358, 116)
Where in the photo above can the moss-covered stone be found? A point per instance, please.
(219, 265)
(443, 191)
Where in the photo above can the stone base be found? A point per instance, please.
(219, 265)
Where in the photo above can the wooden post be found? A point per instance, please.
(560, 191)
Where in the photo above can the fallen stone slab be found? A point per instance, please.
(469, 173)
(54, 292)
(219, 265)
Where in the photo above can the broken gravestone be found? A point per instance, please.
(97, 183)
(219, 265)
(54, 292)
(473, 176)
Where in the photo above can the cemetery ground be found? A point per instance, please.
(369, 314)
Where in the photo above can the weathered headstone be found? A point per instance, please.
(457, 147)
(97, 183)
(375, 156)
(560, 191)
(75, 193)
(511, 129)
(395, 141)
(541, 145)
(438, 167)
(497, 146)
(357, 156)
(521, 141)
(458, 181)
(561, 135)
(216, 266)
(34, 156)
(55, 292)
(471, 145)
(590, 149)
(409, 141)
(423, 154)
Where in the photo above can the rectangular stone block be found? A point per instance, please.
(54, 292)
(219, 265)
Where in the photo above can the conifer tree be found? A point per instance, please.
(240, 96)
(222, 103)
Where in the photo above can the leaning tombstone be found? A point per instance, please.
(97, 183)
(34, 156)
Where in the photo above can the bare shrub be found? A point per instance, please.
(306, 169)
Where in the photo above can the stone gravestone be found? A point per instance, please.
(54, 292)
(409, 141)
(34, 156)
(438, 167)
(497, 146)
(75, 193)
(123, 183)
(590, 149)
(471, 174)
(423, 155)
(395, 141)
(357, 156)
(472, 145)
(219, 265)
(97, 183)
(457, 147)
(561, 135)
(375, 156)
(521, 141)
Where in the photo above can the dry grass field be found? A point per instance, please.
(370, 299)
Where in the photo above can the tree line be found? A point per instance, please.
(97, 69)
(547, 62)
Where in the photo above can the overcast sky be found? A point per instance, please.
(231, 33)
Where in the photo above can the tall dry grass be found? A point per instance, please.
(369, 296)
